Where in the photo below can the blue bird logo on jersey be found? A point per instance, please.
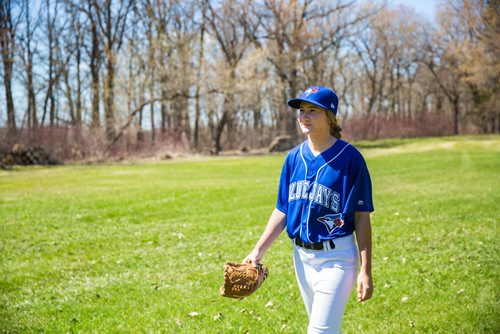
(332, 221)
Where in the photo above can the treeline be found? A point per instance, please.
(109, 75)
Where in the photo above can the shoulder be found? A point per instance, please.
(351, 153)
(295, 153)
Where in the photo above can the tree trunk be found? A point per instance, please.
(7, 38)
(78, 77)
(109, 106)
(218, 132)
(164, 115)
(290, 119)
(198, 84)
(32, 112)
(152, 109)
(456, 114)
(68, 94)
(11, 116)
(94, 71)
(152, 78)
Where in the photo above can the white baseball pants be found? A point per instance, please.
(326, 279)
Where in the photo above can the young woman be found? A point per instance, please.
(324, 197)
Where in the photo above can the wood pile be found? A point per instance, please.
(20, 155)
(281, 144)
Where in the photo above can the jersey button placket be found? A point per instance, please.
(311, 170)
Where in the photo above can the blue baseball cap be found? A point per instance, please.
(320, 96)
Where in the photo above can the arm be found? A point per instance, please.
(274, 227)
(364, 238)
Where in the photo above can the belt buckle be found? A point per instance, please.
(311, 246)
(317, 246)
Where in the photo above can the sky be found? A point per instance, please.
(424, 7)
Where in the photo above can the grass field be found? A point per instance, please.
(128, 248)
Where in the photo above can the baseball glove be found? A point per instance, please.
(242, 279)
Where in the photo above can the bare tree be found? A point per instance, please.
(388, 56)
(198, 82)
(300, 31)
(217, 73)
(444, 59)
(8, 29)
(53, 74)
(112, 20)
(135, 73)
(31, 25)
(234, 39)
(164, 14)
(65, 53)
(95, 62)
(73, 40)
(184, 33)
(481, 21)
(151, 64)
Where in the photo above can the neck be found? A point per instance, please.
(318, 144)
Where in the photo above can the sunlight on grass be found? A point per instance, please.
(140, 248)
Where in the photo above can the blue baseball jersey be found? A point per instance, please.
(320, 194)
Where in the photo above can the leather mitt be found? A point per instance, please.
(242, 279)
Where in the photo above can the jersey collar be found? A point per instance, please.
(325, 155)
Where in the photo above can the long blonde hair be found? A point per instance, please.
(335, 128)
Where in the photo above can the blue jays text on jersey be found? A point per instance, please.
(320, 194)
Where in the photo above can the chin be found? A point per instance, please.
(305, 130)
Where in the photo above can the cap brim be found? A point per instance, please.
(295, 103)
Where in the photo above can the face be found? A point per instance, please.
(312, 119)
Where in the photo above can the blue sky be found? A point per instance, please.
(424, 7)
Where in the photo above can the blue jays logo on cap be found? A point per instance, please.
(320, 96)
(310, 90)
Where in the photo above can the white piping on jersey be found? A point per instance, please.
(315, 179)
(305, 179)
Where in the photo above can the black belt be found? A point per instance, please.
(314, 245)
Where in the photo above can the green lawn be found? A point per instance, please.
(140, 247)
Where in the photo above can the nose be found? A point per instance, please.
(303, 114)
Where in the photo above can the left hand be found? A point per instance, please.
(365, 286)
(255, 257)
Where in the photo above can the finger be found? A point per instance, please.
(250, 260)
(360, 291)
(363, 297)
(367, 293)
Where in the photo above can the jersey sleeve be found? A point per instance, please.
(282, 202)
(359, 196)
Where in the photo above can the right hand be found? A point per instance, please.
(254, 257)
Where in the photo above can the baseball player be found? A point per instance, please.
(324, 196)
